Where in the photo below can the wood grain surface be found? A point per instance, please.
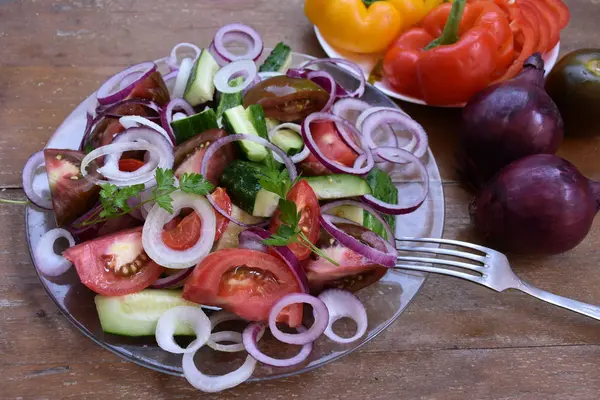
(455, 341)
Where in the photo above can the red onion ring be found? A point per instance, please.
(166, 114)
(250, 240)
(134, 121)
(360, 90)
(399, 156)
(171, 281)
(340, 304)
(220, 60)
(183, 75)
(104, 94)
(172, 61)
(367, 208)
(215, 146)
(238, 32)
(250, 337)
(320, 314)
(296, 158)
(332, 165)
(258, 235)
(35, 162)
(326, 81)
(385, 258)
(375, 119)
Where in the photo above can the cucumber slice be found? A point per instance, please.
(288, 141)
(265, 203)
(349, 212)
(279, 60)
(186, 128)
(338, 186)
(229, 239)
(230, 100)
(238, 120)
(240, 179)
(200, 87)
(137, 314)
(383, 189)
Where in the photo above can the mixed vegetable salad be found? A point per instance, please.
(256, 188)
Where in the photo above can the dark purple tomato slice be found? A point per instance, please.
(72, 194)
(287, 99)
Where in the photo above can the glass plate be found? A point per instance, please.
(384, 300)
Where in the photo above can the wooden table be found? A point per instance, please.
(456, 341)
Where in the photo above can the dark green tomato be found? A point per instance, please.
(574, 85)
(287, 99)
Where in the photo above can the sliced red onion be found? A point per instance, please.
(35, 162)
(373, 120)
(399, 156)
(211, 383)
(250, 337)
(238, 33)
(360, 90)
(343, 304)
(167, 324)
(230, 336)
(377, 256)
(247, 68)
(166, 115)
(220, 60)
(169, 282)
(350, 109)
(162, 254)
(258, 235)
(250, 240)
(326, 81)
(179, 115)
(215, 146)
(344, 125)
(134, 121)
(172, 61)
(47, 261)
(367, 208)
(106, 96)
(296, 158)
(185, 70)
(297, 73)
(320, 314)
(171, 75)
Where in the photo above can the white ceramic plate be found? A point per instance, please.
(367, 62)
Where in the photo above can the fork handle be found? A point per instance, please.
(589, 310)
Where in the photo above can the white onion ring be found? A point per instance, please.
(134, 121)
(185, 70)
(212, 384)
(163, 255)
(296, 158)
(172, 61)
(320, 313)
(47, 261)
(340, 304)
(226, 336)
(251, 335)
(238, 32)
(245, 67)
(167, 324)
(33, 163)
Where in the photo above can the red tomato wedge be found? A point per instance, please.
(182, 234)
(332, 145)
(307, 204)
(130, 164)
(114, 265)
(245, 282)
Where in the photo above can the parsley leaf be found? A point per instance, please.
(195, 183)
(288, 212)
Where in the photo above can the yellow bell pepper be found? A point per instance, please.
(365, 26)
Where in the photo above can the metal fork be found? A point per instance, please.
(491, 269)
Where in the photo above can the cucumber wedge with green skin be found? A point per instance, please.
(137, 314)
(338, 186)
(186, 128)
(230, 100)
(382, 188)
(240, 179)
(279, 60)
(200, 87)
(240, 120)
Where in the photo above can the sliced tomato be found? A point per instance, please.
(307, 204)
(245, 282)
(130, 164)
(72, 194)
(114, 265)
(538, 22)
(182, 234)
(189, 155)
(551, 17)
(328, 140)
(525, 37)
(561, 10)
(152, 88)
(354, 272)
